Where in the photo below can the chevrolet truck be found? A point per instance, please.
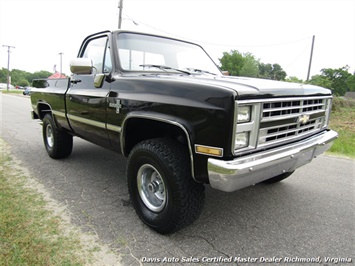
(165, 105)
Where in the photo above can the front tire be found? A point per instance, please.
(162, 191)
(58, 143)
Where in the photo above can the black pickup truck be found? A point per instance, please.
(165, 105)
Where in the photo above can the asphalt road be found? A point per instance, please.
(309, 216)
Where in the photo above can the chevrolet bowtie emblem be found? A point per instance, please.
(303, 119)
(116, 105)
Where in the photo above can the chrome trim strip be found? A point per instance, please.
(234, 126)
(61, 114)
(114, 128)
(265, 110)
(284, 117)
(248, 170)
(95, 123)
(282, 99)
(87, 121)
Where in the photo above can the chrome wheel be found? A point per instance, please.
(49, 136)
(151, 188)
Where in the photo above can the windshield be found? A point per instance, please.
(139, 52)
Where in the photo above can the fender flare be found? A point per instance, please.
(168, 119)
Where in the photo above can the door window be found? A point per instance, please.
(98, 51)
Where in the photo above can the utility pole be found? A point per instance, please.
(61, 54)
(310, 59)
(8, 64)
(120, 6)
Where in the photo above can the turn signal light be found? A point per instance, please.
(209, 150)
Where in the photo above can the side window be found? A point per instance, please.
(99, 52)
(107, 62)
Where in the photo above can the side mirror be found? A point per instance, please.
(81, 66)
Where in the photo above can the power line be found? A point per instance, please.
(220, 44)
(264, 45)
(298, 56)
(229, 45)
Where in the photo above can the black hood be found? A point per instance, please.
(255, 88)
(244, 88)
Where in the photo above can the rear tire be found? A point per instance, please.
(58, 143)
(278, 178)
(162, 190)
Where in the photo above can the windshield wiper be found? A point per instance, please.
(162, 67)
(201, 71)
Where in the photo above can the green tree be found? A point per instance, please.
(250, 66)
(39, 75)
(338, 80)
(23, 83)
(3, 75)
(277, 72)
(22, 78)
(265, 70)
(338, 77)
(321, 81)
(238, 64)
(17, 75)
(351, 82)
(271, 71)
(294, 79)
(232, 62)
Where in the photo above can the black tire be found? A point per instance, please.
(58, 143)
(161, 187)
(278, 178)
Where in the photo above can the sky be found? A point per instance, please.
(274, 31)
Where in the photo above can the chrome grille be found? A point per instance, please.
(283, 120)
(285, 108)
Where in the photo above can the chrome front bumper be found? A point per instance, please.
(245, 171)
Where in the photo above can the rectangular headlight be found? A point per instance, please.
(241, 140)
(244, 114)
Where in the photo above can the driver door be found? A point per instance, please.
(86, 104)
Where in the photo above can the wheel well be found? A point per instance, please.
(138, 129)
(43, 109)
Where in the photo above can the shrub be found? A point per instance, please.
(341, 102)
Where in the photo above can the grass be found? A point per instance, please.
(342, 120)
(30, 233)
(12, 91)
